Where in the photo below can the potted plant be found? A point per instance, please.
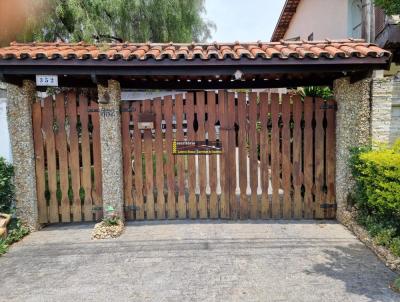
(4, 220)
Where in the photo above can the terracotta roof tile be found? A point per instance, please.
(170, 51)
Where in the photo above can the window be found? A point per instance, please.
(355, 15)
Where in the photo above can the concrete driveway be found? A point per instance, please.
(207, 261)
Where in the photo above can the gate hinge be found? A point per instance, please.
(326, 106)
(328, 206)
(132, 208)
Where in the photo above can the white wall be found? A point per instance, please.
(5, 148)
(324, 18)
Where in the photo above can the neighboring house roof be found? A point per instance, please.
(330, 49)
(288, 11)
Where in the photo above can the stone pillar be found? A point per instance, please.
(19, 114)
(381, 110)
(111, 146)
(352, 130)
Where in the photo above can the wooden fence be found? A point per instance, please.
(278, 158)
(68, 161)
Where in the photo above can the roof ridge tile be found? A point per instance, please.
(329, 48)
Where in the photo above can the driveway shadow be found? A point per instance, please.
(360, 270)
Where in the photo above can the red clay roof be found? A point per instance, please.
(170, 51)
(288, 11)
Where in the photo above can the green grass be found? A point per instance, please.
(396, 285)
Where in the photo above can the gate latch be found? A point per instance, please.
(146, 120)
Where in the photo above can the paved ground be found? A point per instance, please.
(276, 261)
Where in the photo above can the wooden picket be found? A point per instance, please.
(67, 155)
(277, 161)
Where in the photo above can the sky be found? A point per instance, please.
(243, 20)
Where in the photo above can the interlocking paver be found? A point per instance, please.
(196, 261)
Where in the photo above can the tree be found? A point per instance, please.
(391, 7)
(119, 20)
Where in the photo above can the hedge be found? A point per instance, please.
(377, 195)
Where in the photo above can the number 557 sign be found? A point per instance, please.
(46, 80)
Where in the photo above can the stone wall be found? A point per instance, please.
(20, 128)
(381, 109)
(395, 114)
(385, 110)
(352, 130)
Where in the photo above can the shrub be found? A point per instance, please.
(6, 186)
(15, 230)
(377, 194)
(323, 92)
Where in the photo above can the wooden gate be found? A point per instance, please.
(277, 161)
(67, 154)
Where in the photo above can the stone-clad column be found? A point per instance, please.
(21, 135)
(381, 114)
(352, 130)
(111, 146)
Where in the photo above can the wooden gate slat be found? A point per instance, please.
(242, 144)
(275, 156)
(127, 159)
(180, 159)
(253, 154)
(297, 147)
(202, 164)
(330, 158)
(48, 127)
(308, 158)
(319, 158)
(286, 158)
(97, 184)
(61, 145)
(137, 150)
(86, 163)
(169, 165)
(189, 108)
(212, 159)
(159, 154)
(39, 161)
(231, 157)
(224, 163)
(148, 157)
(73, 156)
(264, 162)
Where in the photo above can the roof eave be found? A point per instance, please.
(188, 67)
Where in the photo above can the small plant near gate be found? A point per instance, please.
(111, 226)
(396, 285)
(111, 217)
